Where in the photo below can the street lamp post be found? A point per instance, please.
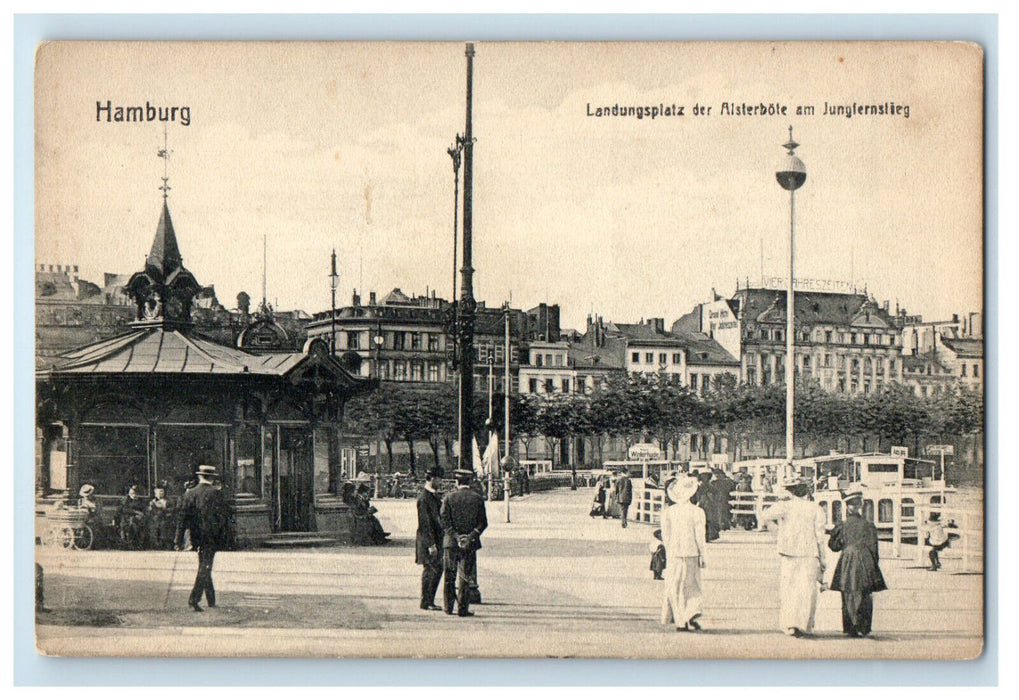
(791, 175)
(468, 305)
(454, 152)
(377, 341)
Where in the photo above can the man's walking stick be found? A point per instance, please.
(169, 586)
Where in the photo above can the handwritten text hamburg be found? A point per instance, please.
(149, 113)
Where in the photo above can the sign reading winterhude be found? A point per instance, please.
(359, 349)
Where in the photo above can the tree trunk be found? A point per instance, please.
(413, 459)
(434, 444)
(389, 451)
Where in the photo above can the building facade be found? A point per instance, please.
(844, 341)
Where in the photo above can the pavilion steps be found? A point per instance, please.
(283, 540)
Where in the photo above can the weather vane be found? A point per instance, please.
(164, 153)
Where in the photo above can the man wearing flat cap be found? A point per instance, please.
(205, 515)
(463, 519)
(856, 575)
(802, 556)
(428, 543)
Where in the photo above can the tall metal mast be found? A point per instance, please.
(467, 303)
(332, 324)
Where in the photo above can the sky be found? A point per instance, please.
(318, 146)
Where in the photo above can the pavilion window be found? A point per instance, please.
(180, 449)
(112, 458)
(247, 477)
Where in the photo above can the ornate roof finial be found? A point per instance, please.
(164, 153)
(791, 145)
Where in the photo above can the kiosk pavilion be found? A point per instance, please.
(147, 407)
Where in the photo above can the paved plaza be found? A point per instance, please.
(555, 582)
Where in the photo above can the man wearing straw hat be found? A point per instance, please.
(802, 552)
(683, 530)
(204, 514)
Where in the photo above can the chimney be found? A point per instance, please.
(371, 298)
(356, 299)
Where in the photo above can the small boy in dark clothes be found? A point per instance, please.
(657, 556)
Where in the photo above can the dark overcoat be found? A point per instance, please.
(462, 512)
(857, 570)
(204, 513)
(429, 526)
(624, 491)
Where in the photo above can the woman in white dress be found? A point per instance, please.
(683, 534)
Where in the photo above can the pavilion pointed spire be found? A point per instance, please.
(165, 254)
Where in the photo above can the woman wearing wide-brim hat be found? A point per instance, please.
(683, 534)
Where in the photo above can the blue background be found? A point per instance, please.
(33, 669)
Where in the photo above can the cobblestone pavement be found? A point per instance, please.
(555, 583)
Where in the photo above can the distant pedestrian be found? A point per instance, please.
(623, 490)
(721, 488)
(463, 520)
(428, 542)
(801, 548)
(131, 521)
(160, 521)
(856, 575)
(658, 559)
(935, 538)
(705, 499)
(683, 534)
(205, 516)
(600, 494)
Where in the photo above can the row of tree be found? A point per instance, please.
(658, 408)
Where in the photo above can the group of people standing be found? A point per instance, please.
(447, 542)
(613, 495)
(802, 551)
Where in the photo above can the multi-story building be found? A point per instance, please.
(71, 312)
(940, 354)
(925, 374)
(965, 358)
(846, 341)
(401, 338)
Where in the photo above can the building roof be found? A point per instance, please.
(610, 356)
(921, 363)
(644, 334)
(704, 350)
(159, 351)
(965, 347)
(768, 305)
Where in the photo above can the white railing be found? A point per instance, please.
(536, 466)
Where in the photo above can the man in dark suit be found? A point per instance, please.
(857, 575)
(428, 544)
(463, 520)
(204, 514)
(624, 493)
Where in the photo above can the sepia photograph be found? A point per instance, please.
(636, 350)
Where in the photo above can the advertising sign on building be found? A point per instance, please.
(718, 321)
(900, 451)
(940, 449)
(643, 452)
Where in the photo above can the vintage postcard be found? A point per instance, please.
(636, 350)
